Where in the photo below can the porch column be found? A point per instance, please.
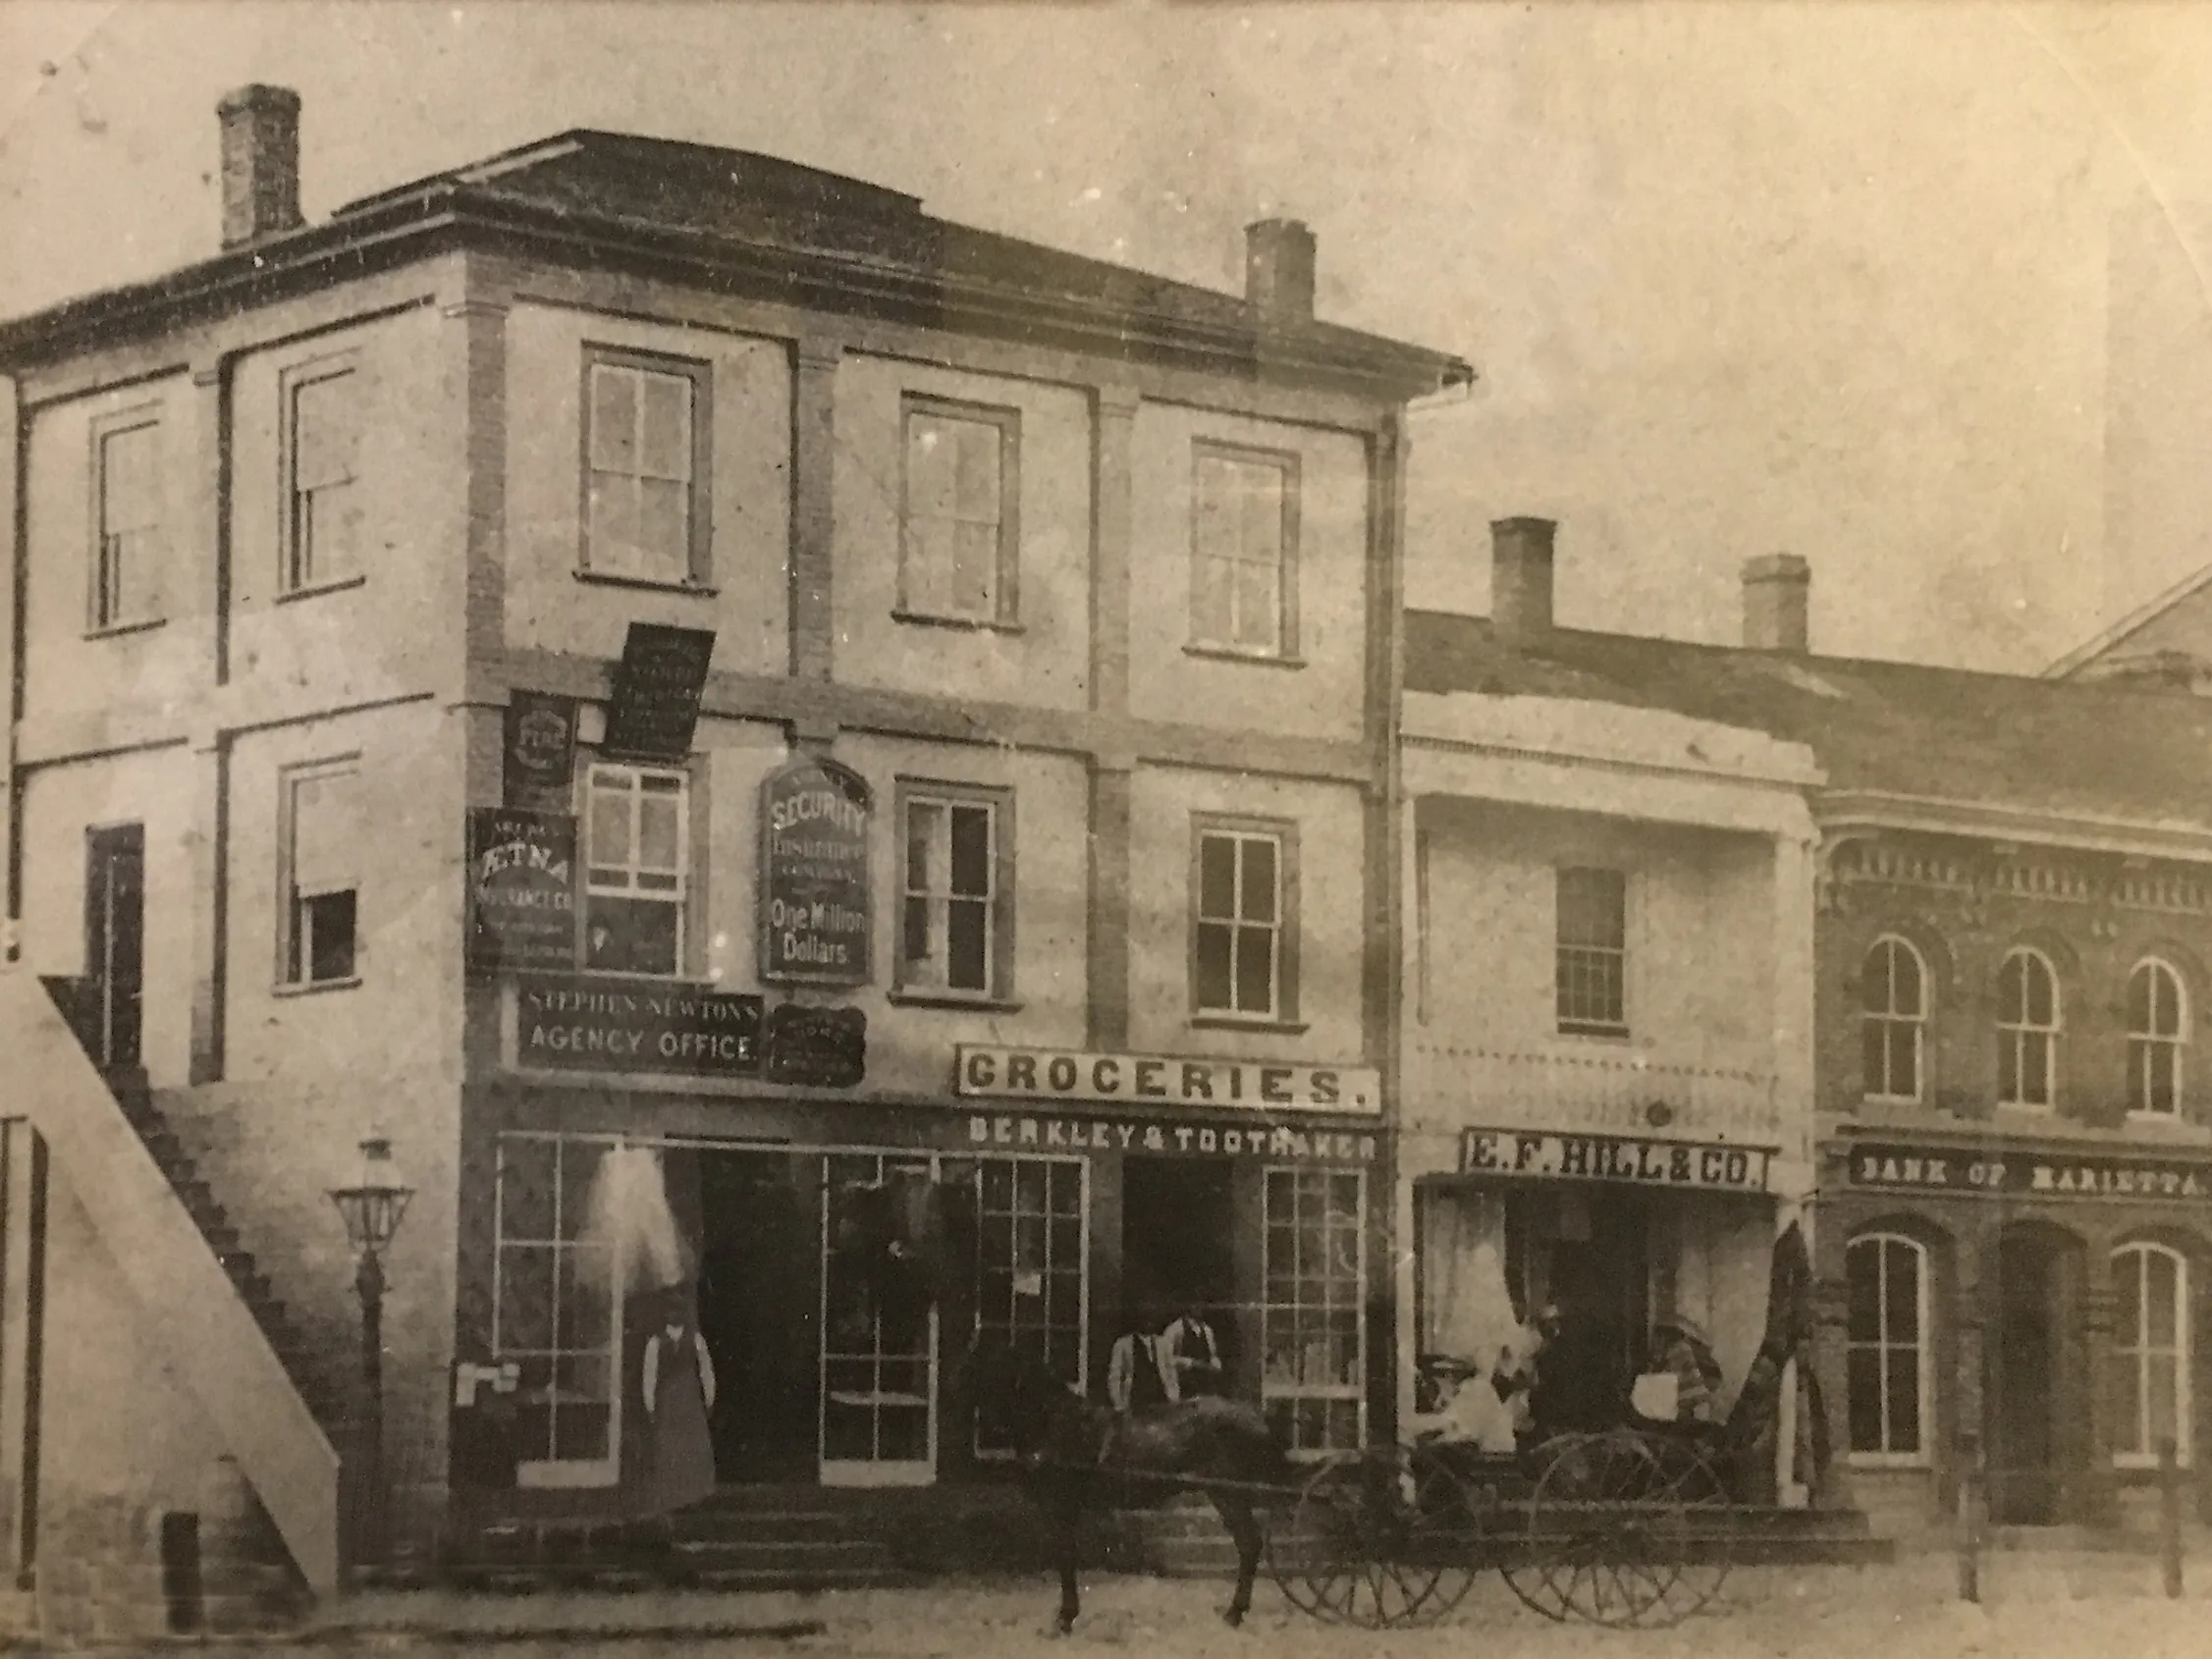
(2091, 1344)
(1969, 1310)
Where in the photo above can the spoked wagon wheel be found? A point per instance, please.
(1610, 1536)
(1379, 1539)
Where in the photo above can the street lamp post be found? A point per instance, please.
(371, 1208)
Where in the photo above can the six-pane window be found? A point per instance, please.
(126, 554)
(2157, 1029)
(1592, 952)
(641, 511)
(1243, 513)
(637, 836)
(1893, 994)
(2027, 1031)
(951, 921)
(1885, 1352)
(323, 442)
(957, 526)
(1239, 946)
(2150, 1352)
(322, 835)
(1313, 1381)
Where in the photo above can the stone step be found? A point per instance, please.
(717, 1554)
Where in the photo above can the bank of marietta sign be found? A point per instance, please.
(2023, 1173)
(1057, 1074)
(1531, 1156)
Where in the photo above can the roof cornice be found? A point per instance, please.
(1840, 810)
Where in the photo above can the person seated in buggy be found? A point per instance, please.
(1681, 1387)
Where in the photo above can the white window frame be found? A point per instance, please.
(2144, 1355)
(692, 567)
(922, 597)
(1007, 1222)
(1891, 1017)
(1283, 931)
(125, 559)
(2144, 1046)
(1282, 643)
(1884, 1345)
(1270, 1390)
(303, 573)
(2017, 1032)
(295, 936)
(1570, 1025)
(997, 899)
(677, 895)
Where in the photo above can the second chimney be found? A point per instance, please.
(1521, 580)
(261, 163)
(1778, 594)
(1279, 270)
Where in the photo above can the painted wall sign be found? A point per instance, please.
(1054, 1074)
(590, 1025)
(2021, 1173)
(655, 706)
(817, 1047)
(522, 891)
(816, 908)
(1533, 1156)
(1278, 1142)
(539, 752)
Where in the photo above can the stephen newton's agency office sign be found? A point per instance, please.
(582, 1024)
(816, 912)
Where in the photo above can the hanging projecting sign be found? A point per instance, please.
(815, 906)
(539, 751)
(522, 891)
(658, 683)
(816, 1048)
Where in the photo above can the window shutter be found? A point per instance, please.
(326, 826)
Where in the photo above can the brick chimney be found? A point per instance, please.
(261, 163)
(1521, 580)
(1778, 594)
(1279, 270)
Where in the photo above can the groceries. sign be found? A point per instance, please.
(1056, 1074)
(816, 912)
(1531, 1155)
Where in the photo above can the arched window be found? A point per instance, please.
(1886, 1349)
(2150, 1352)
(2157, 1028)
(1894, 998)
(2027, 1031)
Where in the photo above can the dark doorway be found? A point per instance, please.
(115, 920)
(1600, 1278)
(1176, 1229)
(760, 1290)
(2021, 1373)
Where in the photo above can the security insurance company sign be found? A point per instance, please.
(816, 908)
(1057, 1074)
(1532, 1155)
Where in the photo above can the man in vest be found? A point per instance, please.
(1136, 1379)
(1192, 1355)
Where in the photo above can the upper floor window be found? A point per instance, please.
(959, 537)
(1592, 952)
(1242, 958)
(955, 933)
(1244, 542)
(322, 448)
(646, 468)
(1886, 1348)
(2027, 1031)
(1894, 998)
(2150, 1354)
(2157, 1030)
(126, 528)
(321, 837)
(636, 859)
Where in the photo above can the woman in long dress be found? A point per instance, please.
(679, 1392)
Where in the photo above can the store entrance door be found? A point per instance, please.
(760, 1309)
(1600, 1277)
(1178, 1225)
(2022, 1362)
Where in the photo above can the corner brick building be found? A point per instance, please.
(629, 642)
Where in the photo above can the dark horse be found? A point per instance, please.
(1075, 1452)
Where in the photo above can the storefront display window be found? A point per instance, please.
(1886, 1348)
(1029, 1270)
(552, 1311)
(1313, 1331)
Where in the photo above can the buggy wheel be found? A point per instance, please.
(1609, 1538)
(1709, 1523)
(1379, 1538)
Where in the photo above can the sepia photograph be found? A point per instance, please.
(868, 831)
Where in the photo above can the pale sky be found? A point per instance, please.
(1821, 277)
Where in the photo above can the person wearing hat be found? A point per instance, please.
(1688, 1356)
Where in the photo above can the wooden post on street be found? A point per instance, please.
(2170, 1515)
(1969, 1517)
